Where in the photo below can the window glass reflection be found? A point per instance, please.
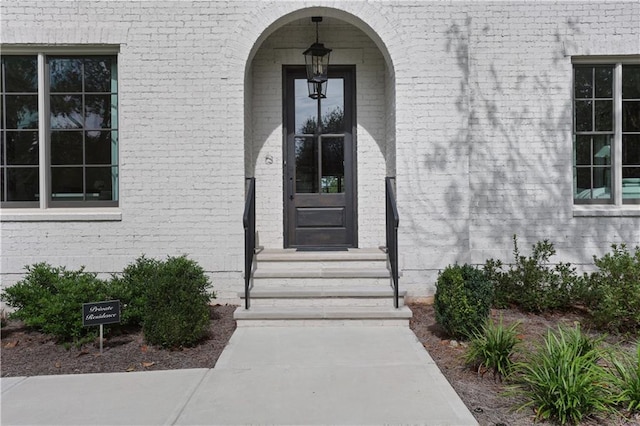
(97, 74)
(66, 112)
(306, 109)
(21, 111)
(22, 184)
(20, 74)
(98, 147)
(66, 148)
(333, 165)
(604, 82)
(99, 183)
(65, 75)
(22, 148)
(583, 83)
(306, 152)
(631, 82)
(66, 184)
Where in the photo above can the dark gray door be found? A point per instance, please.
(320, 161)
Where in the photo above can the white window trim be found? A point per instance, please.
(617, 209)
(83, 214)
(44, 213)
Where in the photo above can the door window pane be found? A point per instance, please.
(333, 165)
(333, 107)
(306, 109)
(306, 152)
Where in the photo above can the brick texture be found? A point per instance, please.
(467, 103)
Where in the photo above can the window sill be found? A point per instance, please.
(61, 215)
(628, 210)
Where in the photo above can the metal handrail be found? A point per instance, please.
(392, 221)
(249, 222)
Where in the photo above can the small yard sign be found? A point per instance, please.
(101, 313)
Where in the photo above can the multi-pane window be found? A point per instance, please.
(631, 132)
(74, 115)
(606, 126)
(19, 154)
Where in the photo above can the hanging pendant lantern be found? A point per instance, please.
(316, 59)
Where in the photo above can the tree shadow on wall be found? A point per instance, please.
(515, 129)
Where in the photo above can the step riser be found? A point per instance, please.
(275, 283)
(324, 323)
(318, 265)
(321, 302)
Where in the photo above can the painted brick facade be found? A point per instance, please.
(467, 103)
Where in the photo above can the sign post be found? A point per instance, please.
(101, 313)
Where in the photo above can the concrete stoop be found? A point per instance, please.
(322, 288)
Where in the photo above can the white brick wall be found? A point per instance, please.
(468, 103)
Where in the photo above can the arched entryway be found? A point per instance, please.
(347, 205)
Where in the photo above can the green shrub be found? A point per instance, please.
(613, 295)
(562, 379)
(130, 288)
(531, 282)
(626, 379)
(492, 348)
(462, 300)
(50, 300)
(177, 304)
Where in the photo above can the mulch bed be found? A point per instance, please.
(30, 353)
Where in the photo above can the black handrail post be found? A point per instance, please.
(249, 222)
(392, 221)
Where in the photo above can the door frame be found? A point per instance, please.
(350, 100)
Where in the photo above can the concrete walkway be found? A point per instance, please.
(266, 375)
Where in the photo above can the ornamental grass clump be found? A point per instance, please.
(492, 348)
(563, 379)
(626, 378)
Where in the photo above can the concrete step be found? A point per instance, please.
(286, 271)
(323, 296)
(290, 316)
(354, 259)
(291, 255)
(275, 282)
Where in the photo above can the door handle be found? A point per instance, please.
(291, 188)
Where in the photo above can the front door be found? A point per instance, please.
(320, 161)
